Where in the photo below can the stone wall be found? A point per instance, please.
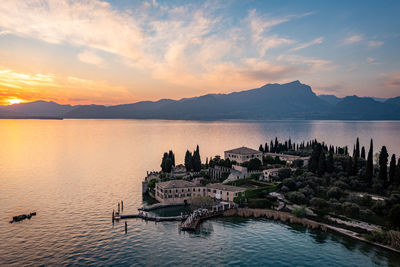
(275, 215)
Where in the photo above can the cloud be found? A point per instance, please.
(194, 45)
(90, 57)
(392, 80)
(353, 39)
(371, 60)
(318, 40)
(90, 23)
(375, 44)
(33, 86)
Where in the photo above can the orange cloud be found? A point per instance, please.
(22, 87)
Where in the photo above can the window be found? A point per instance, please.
(227, 193)
(194, 189)
(208, 190)
(214, 191)
(182, 189)
(199, 189)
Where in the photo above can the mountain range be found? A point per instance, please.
(292, 100)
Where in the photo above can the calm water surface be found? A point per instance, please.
(73, 173)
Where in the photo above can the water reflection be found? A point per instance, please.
(73, 172)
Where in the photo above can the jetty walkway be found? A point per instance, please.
(145, 216)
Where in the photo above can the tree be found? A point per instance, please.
(330, 167)
(392, 169)
(261, 148)
(363, 153)
(369, 168)
(383, 161)
(394, 215)
(188, 160)
(397, 173)
(321, 164)
(166, 163)
(266, 149)
(349, 166)
(254, 164)
(196, 160)
(357, 150)
(172, 157)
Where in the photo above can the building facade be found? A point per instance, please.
(243, 154)
(181, 191)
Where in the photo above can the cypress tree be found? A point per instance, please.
(266, 149)
(330, 163)
(369, 168)
(357, 152)
(349, 166)
(196, 160)
(271, 147)
(392, 169)
(172, 157)
(397, 173)
(383, 161)
(363, 152)
(189, 160)
(321, 164)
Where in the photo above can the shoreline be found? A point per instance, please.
(286, 217)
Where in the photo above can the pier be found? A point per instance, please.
(146, 217)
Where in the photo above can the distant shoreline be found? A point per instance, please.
(30, 118)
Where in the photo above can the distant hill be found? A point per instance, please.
(393, 101)
(331, 99)
(40, 108)
(292, 100)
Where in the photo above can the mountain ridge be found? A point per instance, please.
(292, 100)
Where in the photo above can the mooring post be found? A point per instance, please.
(119, 208)
(126, 227)
(122, 205)
(113, 216)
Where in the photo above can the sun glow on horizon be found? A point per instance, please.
(14, 100)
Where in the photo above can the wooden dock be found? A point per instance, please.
(150, 218)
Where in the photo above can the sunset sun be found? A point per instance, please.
(14, 100)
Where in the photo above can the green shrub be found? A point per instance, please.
(259, 203)
(297, 198)
(394, 215)
(299, 211)
(334, 192)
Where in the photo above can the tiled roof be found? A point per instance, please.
(243, 151)
(175, 184)
(225, 187)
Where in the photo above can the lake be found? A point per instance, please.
(74, 172)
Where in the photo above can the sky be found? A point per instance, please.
(115, 52)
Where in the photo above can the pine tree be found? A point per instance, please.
(363, 152)
(392, 169)
(369, 168)
(357, 151)
(383, 161)
(188, 161)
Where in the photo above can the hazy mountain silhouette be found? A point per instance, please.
(272, 101)
(331, 99)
